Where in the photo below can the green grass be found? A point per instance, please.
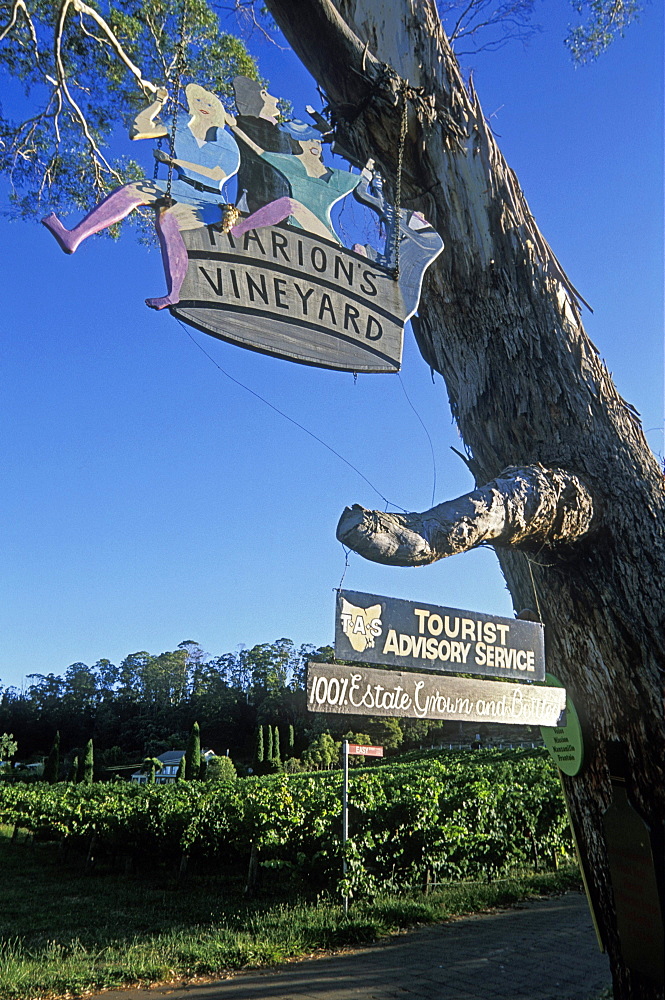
(66, 932)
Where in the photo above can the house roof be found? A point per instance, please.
(171, 756)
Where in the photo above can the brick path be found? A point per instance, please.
(544, 950)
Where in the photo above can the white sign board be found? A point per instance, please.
(336, 688)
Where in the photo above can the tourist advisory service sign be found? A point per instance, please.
(398, 633)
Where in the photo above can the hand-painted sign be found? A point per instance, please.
(282, 291)
(270, 272)
(565, 742)
(364, 751)
(340, 689)
(386, 630)
(202, 159)
(278, 279)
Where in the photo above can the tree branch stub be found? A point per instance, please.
(528, 508)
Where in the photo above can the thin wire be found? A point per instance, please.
(290, 419)
(534, 562)
(346, 565)
(422, 424)
(535, 592)
(347, 552)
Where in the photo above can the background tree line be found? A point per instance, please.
(250, 704)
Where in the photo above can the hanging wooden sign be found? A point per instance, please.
(340, 689)
(275, 276)
(282, 291)
(398, 633)
(270, 271)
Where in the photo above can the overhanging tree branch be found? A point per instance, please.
(83, 8)
(527, 508)
(100, 164)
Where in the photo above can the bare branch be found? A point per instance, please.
(493, 24)
(83, 8)
(452, 35)
(19, 5)
(12, 21)
(528, 508)
(245, 11)
(90, 34)
(64, 107)
(158, 49)
(100, 164)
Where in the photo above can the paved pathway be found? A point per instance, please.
(545, 950)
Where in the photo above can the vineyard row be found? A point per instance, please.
(468, 817)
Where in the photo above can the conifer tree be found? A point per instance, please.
(269, 755)
(74, 770)
(260, 753)
(291, 739)
(180, 773)
(151, 765)
(52, 765)
(276, 756)
(193, 754)
(88, 764)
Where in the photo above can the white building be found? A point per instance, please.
(170, 762)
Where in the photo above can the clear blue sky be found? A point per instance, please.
(147, 499)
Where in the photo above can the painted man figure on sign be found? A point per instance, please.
(257, 111)
(205, 157)
(315, 188)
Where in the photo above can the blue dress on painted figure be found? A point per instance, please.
(190, 186)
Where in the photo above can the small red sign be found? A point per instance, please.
(365, 751)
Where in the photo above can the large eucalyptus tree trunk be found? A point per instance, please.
(568, 490)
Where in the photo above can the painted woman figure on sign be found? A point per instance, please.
(315, 188)
(205, 157)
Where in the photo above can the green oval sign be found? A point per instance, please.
(564, 743)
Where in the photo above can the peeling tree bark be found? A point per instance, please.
(501, 322)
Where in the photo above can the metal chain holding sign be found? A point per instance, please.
(398, 181)
(155, 169)
(175, 97)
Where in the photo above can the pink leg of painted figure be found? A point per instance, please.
(268, 215)
(114, 208)
(174, 258)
